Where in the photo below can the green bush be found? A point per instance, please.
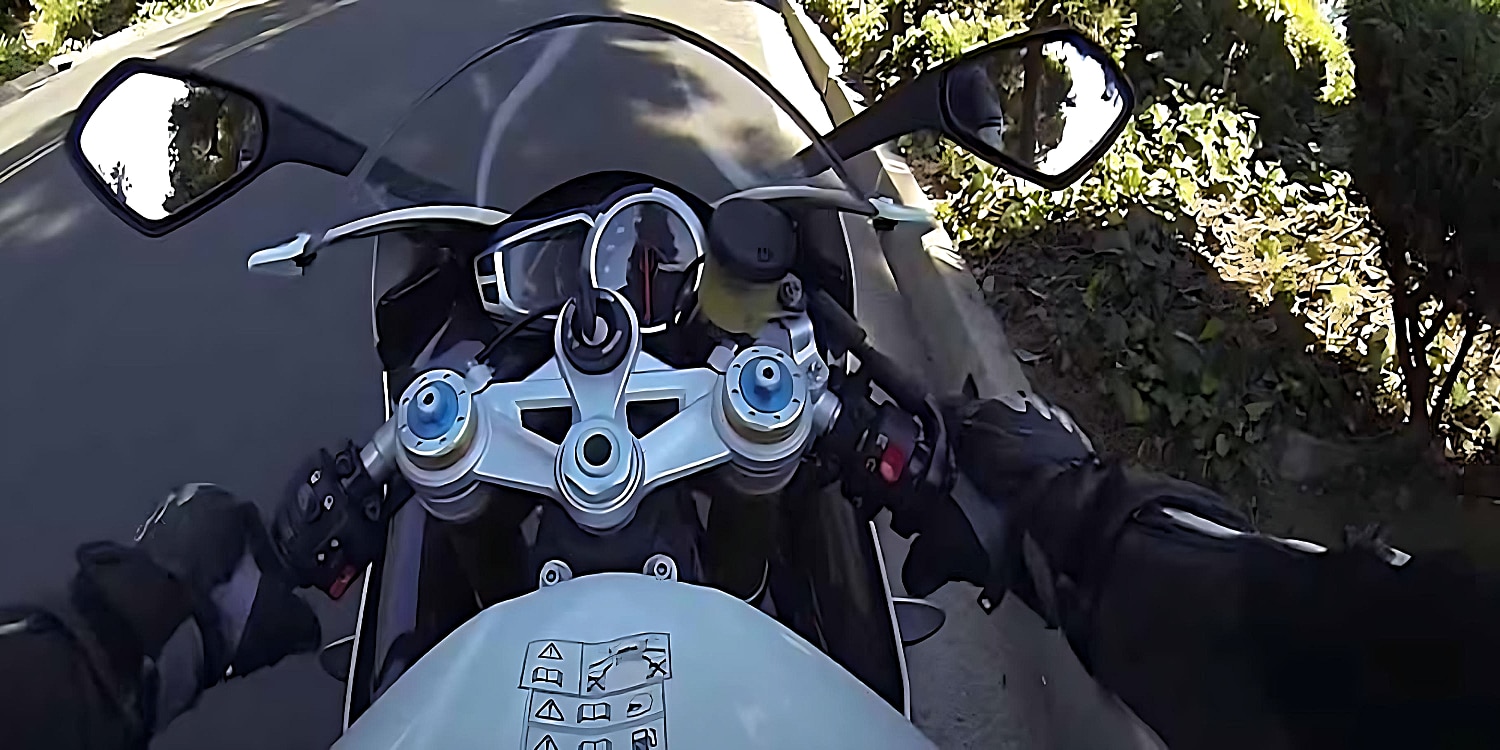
(1242, 160)
(1202, 378)
(58, 25)
(157, 9)
(16, 58)
(60, 22)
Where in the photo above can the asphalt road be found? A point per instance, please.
(135, 364)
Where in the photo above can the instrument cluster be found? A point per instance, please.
(645, 243)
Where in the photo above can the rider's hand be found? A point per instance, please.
(1036, 511)
(201, 596)
(218, 545)
(1005, 453)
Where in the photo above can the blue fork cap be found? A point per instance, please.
(432, 410)
(766, 384)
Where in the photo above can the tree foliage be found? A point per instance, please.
(1424, 148)
(32, 31)
(64, 21)
(13, 15)
(1239, 146)
(213, 132)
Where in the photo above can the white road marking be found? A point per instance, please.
(233, 50)
(29, 159)
(556, 47)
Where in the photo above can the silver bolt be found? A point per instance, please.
(229, 671)
(789, 294)
(322, 557)
(328, 502)
(816, 372)
(316, 475)
(333, 544)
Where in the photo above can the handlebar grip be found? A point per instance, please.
(843, 333)
(892, 377)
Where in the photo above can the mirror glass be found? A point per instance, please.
(160, 143)
(1044, 102)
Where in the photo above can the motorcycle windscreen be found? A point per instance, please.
(590, 95)
(595, 96)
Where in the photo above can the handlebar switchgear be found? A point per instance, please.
(330, 525)
(888, 457)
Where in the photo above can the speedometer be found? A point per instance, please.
(646, 246)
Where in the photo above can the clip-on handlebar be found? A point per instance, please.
(890, 455)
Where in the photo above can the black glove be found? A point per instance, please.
(1006, 453)
(200, 597)
(1036, 512)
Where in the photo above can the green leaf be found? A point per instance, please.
(1211, 329)
(1340, 294)
(1258, 409)
(1177, 408)
(1221, 444)
(1096, 285)
(1460, 396)
(1209, 385)
(1132, 406)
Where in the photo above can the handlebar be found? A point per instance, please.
(887, 454)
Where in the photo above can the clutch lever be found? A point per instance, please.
(291, 257)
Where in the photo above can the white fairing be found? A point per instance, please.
(620, 661)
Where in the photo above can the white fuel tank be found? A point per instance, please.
(619, 661)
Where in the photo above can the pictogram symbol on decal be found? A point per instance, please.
(639, 703)
(643, 738)
(608, 695)
(549, 676)
(593, 712)
(550, 711)
(655, 666)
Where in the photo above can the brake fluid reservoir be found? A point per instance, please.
(752, 246)
(764, 418)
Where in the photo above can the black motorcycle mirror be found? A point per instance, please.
(1044, 105)
(160, 145)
